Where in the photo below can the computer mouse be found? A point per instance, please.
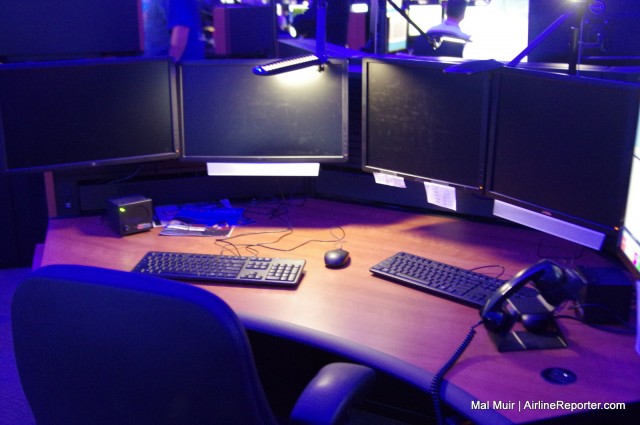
(336, 258)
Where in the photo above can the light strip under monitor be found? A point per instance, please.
(553, 226)
(295, 169)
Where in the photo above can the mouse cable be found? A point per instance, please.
(227, 244)
(490, 266)
(253, 247)
(272, 207)
(336, 238)
(436, 382)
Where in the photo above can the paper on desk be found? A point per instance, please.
(180, 228)
(441, 195)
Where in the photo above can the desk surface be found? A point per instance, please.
(418, 330)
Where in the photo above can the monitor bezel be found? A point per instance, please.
(5, 164)
(624, 259)
(248, 64)
(632, 203)
(439, 64)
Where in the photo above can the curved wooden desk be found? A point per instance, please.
(402, 331)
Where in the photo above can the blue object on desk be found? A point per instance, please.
(210, 216)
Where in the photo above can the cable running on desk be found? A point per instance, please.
(254, 271)
(457, 284)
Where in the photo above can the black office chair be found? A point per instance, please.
(439, 44)
(96, 346)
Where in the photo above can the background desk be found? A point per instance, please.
(402, 331)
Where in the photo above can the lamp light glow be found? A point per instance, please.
(453, 39)
(359, 7)
(288, 64)
(295, 169)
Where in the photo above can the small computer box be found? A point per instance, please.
(606, 296)
(130, 214)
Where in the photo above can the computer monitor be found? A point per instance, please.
(560, 153)
(53, 30)
(423, 124)
(87, 113)
(230, 115)
(629, 240)
(397, 29)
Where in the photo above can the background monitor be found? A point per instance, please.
(425, 16)
(87, 113)
(231, 115)
(488, 22)
(560, 153)
(397, 31)
(423, 124)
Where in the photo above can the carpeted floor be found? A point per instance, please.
(14, 409)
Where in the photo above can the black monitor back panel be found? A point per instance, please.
(231, 115)
(55, 30)
(562, 146)
(87, 113)
(424, 124)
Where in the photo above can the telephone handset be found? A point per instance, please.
(555, 283)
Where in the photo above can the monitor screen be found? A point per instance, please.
(423, 124)
(424, 16)
(231, 115)
(87, 113)
(629, 240)
(560, 152)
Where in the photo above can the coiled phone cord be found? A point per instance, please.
(436, 382)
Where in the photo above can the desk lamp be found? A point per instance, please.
(304, 61)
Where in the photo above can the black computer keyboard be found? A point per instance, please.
(255, 271)
(457, 284)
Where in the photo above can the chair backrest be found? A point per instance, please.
(96, 346)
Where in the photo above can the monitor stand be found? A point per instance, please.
(522, 340)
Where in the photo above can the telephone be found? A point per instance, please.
(556, 284)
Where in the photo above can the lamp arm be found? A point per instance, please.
(546, 33)
(321, 30)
